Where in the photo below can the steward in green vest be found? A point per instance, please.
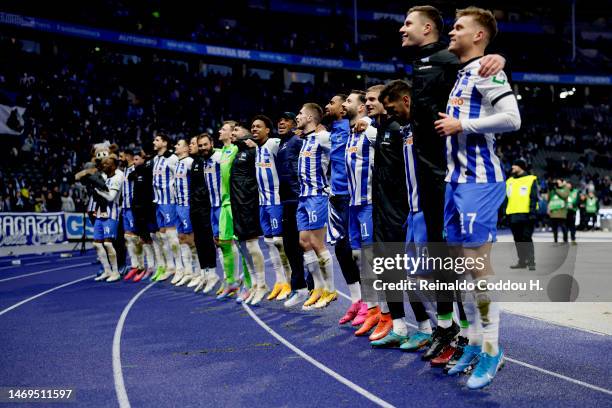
(591, 209)
(557, 208)
(572, 207)
(522, 194)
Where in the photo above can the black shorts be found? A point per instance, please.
(246, 221)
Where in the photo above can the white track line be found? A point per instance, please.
(561, 376)
(122, 397)
(317, 364)
(16, 305)
(45, 271)
(27, 264)
(534, 367)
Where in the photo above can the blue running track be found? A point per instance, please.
(155, 345)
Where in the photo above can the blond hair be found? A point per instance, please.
(483, 17)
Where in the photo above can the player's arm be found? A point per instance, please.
(505, 118)
(113, 189)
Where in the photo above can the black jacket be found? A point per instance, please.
(287, 168)
(244, 191)
(434, 74)
(199, 196)
(142, 177)
(389, 193)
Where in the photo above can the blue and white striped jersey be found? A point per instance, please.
(212, 173)
(470, 156)
(312, 164)
(127, 191)
(163, 179)
(112, 209)
(182, 181)
(267, 176)
(359, 159)
(411, 168)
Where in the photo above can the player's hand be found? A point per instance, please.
(491, 64)
(250, 143)
(360, 126)
(447, 126)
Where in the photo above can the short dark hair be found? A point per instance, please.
(395, 90)
(432, 14)
(266, 120)
(205, 136)
(342, 96)
(362, 95)
(164, 137)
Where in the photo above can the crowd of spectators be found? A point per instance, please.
(77, 98)
(265, 25)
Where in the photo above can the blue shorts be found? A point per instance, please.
(416, 240)
(271, 220)
(105, 228)
(312, 212)
(360, 225)
(215, 214)
(166, 215)
(338, 223)
(183, 225)
(128, 221)
(470, 212)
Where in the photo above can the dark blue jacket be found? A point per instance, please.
(339, 136)
(287, 168)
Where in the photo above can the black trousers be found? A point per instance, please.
(344, 254)
(571, 224)
(555, 224)
(119, 243)
(293, 249)
(203, 236)
(522, 231)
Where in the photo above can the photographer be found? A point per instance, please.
(557, 208)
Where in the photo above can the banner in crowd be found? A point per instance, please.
(74, 226)
(96, 34)
(11, 120)
(31, 228)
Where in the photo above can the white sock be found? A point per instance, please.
(196, 261)
(175, 248)
(220, 260)
(371, 304)
(445, 324)
(384, 308)
(186, 258)
(355, 291)
(327, 269)
(279, 273)
(149, 255)
(240, 249)
(474, 330)
(258, 262)
(311, 263)
(490, 328)
(280, 246)
(131, 249)
(102, 257)
(112, 257)
(399, 327)
(158, 245)
(139, 248)
(425, 326)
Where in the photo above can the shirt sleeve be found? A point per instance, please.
(505, 118)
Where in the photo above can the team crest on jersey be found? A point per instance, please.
(408, 140)
(353, 149)
(264, 165)
(307, 154)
